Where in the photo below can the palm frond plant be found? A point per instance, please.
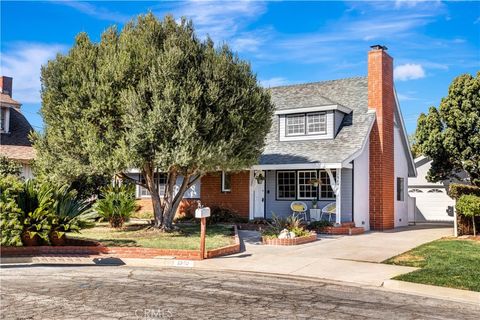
(36, 203)
(117, 204)
(70, 214)
(291, 223)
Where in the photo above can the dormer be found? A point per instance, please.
(310, 123)
(6, 103)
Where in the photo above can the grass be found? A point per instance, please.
(140, 235)
(447, 262)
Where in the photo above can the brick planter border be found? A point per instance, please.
(290, 242)
(120, 252)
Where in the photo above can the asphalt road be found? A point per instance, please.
(107, 292)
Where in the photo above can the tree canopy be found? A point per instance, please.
(450, 134)
(152, 96)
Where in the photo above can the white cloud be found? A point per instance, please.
(409, 71)
(23, 61)
(96, 11)
(220, 20)
(274, 82)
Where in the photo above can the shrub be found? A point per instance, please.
(469, 206)
(10, 225)
(221, 214)
(8, 167)
(117, 204)
(457, 190)
(318, 225)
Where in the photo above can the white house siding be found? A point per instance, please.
(282, 207)
(401, 171)
(361, 189)
(26, 171)
(192, 193)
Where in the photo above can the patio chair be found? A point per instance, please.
(329, 209)
(299, 208)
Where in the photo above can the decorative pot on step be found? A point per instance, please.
(30, 241)
(55, 240)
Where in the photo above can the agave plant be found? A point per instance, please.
(117, 204)
(70, 214)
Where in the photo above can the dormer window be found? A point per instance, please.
(305, 124)
(4, 119)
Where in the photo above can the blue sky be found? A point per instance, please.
(286, 42)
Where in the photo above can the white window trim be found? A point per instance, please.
(304, 125)
(308, 132)
(298, 185)
(7, 119)
(223, 183)
(320, 186)
(277, 197)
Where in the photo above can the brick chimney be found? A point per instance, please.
(381, 99)
(6, 85)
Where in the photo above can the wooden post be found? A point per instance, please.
(203, 229)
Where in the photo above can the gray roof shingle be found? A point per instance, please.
(350, 92)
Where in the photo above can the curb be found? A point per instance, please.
(425, 290)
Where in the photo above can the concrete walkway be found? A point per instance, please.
(341, 258)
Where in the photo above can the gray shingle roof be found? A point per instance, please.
(19, 130)
(351, 93)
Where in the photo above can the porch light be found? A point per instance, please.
(259, 177)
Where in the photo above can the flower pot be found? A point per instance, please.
(28, 241)
(55, 240)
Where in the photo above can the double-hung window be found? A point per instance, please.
(286, 186)
(316, 123)
(226, 182)
(295, 125)
(326, 191)
(400, 189)
(306, 188)
(160, 179)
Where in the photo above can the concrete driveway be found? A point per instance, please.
(342, 258)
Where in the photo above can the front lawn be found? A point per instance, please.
(139, 235)
(447, 262)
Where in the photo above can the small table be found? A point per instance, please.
(315, 214)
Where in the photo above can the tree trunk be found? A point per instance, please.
(169, 215)
(168, 199)
(149, 174)
(474, 229)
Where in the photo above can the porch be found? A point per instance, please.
(273, 188)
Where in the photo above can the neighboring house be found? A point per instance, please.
(14, 129)
(348, 134)
(431, 199)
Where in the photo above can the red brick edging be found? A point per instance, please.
(290, 242)
(120, 252)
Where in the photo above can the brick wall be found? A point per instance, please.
(237, 199)
(381, 98)
(186, 207)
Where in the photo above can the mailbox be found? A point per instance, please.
(202, 212)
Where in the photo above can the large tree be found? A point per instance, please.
(450, 135)
(153, 97)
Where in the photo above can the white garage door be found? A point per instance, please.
(432, 204)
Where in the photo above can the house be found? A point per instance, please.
(14, 129)
(432, 203)
(348, 135)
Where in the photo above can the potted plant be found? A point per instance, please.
(259, 176)
(35, 203)
(314, 182)
(71, 214)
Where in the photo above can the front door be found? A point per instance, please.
(259, 196)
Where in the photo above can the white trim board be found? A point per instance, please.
(301, 166)
(314, 109)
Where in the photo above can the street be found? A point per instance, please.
(112, 292)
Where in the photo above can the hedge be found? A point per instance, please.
(457, 190)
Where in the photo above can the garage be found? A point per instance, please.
(431, 204)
